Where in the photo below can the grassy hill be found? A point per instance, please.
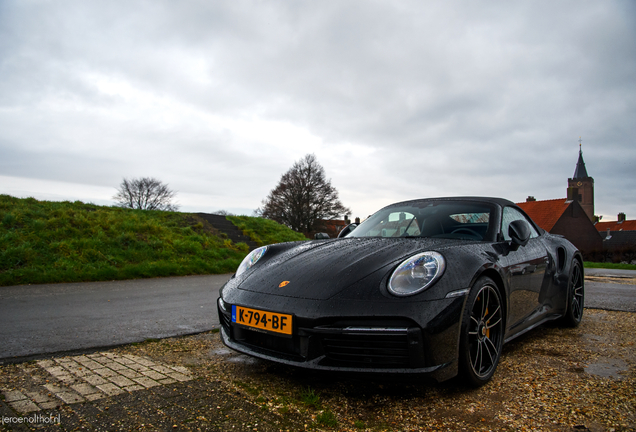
(265, 231)
(46, 242)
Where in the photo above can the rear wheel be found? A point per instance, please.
(482, 333)
(576, 296)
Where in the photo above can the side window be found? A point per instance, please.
(511, 214)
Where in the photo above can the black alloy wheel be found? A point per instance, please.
(576, 296)
(482, 332)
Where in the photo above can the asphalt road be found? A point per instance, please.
(40, 319)
(611, 296)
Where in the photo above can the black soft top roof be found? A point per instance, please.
(489, 200)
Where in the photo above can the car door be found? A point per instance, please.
(525, 268)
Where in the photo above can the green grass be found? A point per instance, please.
(309, 397)
(327, 418)
(49, 242)
(265, 231)
(616, 266)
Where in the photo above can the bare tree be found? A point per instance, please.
(145, 193)
(302, 197)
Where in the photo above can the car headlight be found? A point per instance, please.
(251, 259)
(416, 274)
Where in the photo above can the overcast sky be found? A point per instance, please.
(397, 99)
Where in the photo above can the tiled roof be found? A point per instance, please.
(628, 225)
(545, 213)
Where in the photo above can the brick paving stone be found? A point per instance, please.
(66, 378)
(146, 382)
(13, 395)
(88, 362)
(79, 371)
(24, 406)
(125, 361)
(140, 360)
(153, 374)
(182, 369)
(137, 367)
(86, 378)
(117, 366)
(121, 381)
(70, 397)
(110, 389)
(56, 370)
(110, 355)
(108, 364)
(38, 397)
(180, 377)
(94, 379)
(84, 389)
(66, 394)
(162, 369)
(53, 388)
(129, 373)
(105, 372)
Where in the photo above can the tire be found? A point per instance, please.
(482, 333)
(575, 296)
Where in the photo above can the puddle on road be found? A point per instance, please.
(221, 352)
(247, 360)
(233, 356)
(607, 368)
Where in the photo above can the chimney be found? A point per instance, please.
(573, 194)
(530, 199)
(621, 217)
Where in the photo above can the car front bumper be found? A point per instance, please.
(386, 343)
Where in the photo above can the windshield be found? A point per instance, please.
(438, 219)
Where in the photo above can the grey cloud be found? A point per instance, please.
(484, 97)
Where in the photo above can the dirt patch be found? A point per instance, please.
(545, 382)
(622, 280)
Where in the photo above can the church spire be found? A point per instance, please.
(580, 171)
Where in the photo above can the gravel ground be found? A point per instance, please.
(552, 379)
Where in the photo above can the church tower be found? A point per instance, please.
(581, 187)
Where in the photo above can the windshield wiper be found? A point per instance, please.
(407, 228)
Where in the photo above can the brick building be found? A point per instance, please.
(573, 216)
(567, 218)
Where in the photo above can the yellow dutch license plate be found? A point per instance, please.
(263, 320)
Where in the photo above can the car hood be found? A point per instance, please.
(321, 269)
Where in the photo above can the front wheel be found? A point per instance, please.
(482, 333)
(575, 296)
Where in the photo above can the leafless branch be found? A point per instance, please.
(145, 193)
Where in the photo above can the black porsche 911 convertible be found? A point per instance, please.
(431, 286)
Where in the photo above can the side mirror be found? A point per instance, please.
(321, 236)
(346, 230)
(519, 232)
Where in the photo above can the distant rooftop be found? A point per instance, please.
(545, 213)
(628, 225)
